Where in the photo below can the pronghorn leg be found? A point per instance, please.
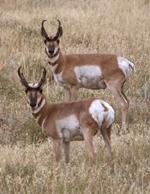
(67, 94)
(57, 149)
(117, 91)
(122, 91)
(106, 135)
(66, 151)
(88, 138)
(74, 93)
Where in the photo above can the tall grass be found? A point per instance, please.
(27, 163)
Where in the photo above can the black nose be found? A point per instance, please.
(32, 105)
(51, 51)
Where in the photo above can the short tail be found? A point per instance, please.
(126, 66)
(131, 66)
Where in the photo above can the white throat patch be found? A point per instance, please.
(54, 59)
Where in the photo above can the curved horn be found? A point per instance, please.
(43, 78)
(59, 31)
(22, 78)
(43, 31)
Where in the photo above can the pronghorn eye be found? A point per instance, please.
(26, 91)
(45, 41)
(40, 90)
(58, 41)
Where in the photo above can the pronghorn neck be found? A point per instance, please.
(53, 60)
(56, 63)
(40, 113)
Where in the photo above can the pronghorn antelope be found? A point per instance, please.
(92, 71)
(66, 122)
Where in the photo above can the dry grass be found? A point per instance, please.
(27, 164)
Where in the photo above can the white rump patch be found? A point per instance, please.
(98, 112)
(126, 66)
(89, 76)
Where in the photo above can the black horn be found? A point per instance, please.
(59, 31)
(43, 31)
(22, 78)
(43, 78)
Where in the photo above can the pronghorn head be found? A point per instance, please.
(33, 90)
(51, 43)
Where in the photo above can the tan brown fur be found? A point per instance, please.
(109, 74)
(69, 121)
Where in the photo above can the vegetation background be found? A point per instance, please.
(27, 164)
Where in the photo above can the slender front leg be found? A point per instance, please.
(67, 94)
(74, 93)
(66, 151)
(106, 135)
(57, 149)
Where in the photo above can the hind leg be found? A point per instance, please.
(106, 133)
(88, 138)
(117, 90)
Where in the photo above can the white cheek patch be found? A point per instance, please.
(89, 76)
(36, 110)
(125, 65)
(38, 101)
(56, 49)
(99, 113)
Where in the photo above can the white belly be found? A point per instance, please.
(89, 76)
(68, 127)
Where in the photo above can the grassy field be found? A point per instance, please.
(27, 164)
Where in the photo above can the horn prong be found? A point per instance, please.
(59, 30)
(22, 78)
(42, 80)
(43, 31)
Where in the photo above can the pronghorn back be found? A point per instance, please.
(69, 121)
(91, 71)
